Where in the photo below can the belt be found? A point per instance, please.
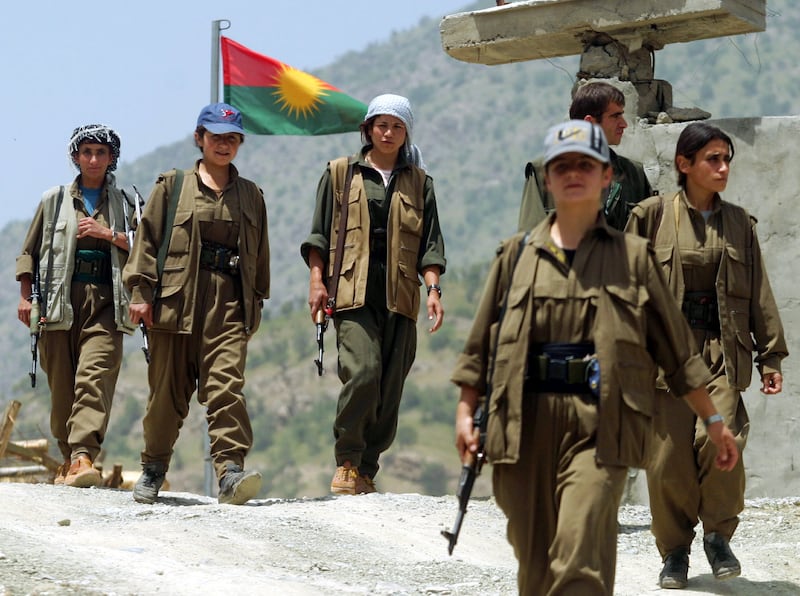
(92, 266)
(701, 310)
(563, 368)
(215, 257)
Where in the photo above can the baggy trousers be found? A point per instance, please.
(82, 366)
(683, 483)
(212, 360)
(560, 504)
(376, 350)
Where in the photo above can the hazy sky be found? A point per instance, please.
(144, 68)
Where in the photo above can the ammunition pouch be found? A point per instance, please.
(92, 266)
(214, 257)
(563, 368)
(701, 310)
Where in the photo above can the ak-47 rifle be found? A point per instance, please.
(480, 418)
(323, 316)
(137, 205)
(35, 324)
(469, 472)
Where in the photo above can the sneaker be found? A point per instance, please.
(675, 574)
(723, 562)
(344, 480)
(364, 485)
(61, 472)
(146, 488)
(82, 474)
(237, 487)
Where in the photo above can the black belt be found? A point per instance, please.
(563, 368)
(701, 310)
(92, 266)
(215, 257)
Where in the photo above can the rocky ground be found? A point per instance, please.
(57, 540)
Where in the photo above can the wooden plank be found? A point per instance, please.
(7, 426)
(33, 455)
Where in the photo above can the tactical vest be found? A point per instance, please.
(57, 282)
(403, 239)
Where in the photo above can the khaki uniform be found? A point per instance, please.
(630, 185)
(560, 459)
(202, 318)
(81, 348)
(720, 255)
(378, 297)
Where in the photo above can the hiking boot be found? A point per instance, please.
(237, 487)
(82, 473)
(344, 480)
(364, 485)
(146, 488)
(675, 574)
(61, 472)
(723, 562)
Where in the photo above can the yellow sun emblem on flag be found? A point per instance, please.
(298, 92)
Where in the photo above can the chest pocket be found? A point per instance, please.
(739, 265)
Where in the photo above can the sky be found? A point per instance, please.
(144, 69)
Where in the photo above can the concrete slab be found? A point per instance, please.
(535, 29)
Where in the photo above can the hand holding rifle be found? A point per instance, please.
(321, 319)
(471, 443)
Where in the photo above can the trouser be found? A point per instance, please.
(82, 366)
(376, 350)
(684, 484)
(560, 504)
(211, 359)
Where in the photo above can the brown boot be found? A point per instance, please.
(365, 485)
(61, 472)
(82, 473)
(344, 480)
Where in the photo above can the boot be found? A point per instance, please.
(344, 479)
(61, 472)
(675, 574)
(723, 562)
(82, 473)
(146, 488)
(236, 486)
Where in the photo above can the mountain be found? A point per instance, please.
(477, 126)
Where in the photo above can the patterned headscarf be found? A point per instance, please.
(95, 133)
(399, 107)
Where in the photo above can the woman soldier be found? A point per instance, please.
(563, 347)
(391, 238)
(74, 253)
(198, 275)
(710, 254)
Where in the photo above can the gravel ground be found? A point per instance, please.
(57, 540)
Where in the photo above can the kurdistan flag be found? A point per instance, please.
(276, 99)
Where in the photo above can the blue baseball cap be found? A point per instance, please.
(576, 136)
(220, 118)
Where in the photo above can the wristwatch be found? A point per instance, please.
(712, 419)
(436, 287)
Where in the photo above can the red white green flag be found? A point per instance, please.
(276, 99)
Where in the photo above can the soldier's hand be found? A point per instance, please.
(727, 452)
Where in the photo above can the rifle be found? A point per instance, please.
(137, 205)
(469, 472)
(35, 325)
(323, 316)
(472, 467)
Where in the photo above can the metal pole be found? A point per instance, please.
(216, 26)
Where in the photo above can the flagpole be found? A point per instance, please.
(216, 27)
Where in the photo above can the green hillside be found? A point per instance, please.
(477, 126)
